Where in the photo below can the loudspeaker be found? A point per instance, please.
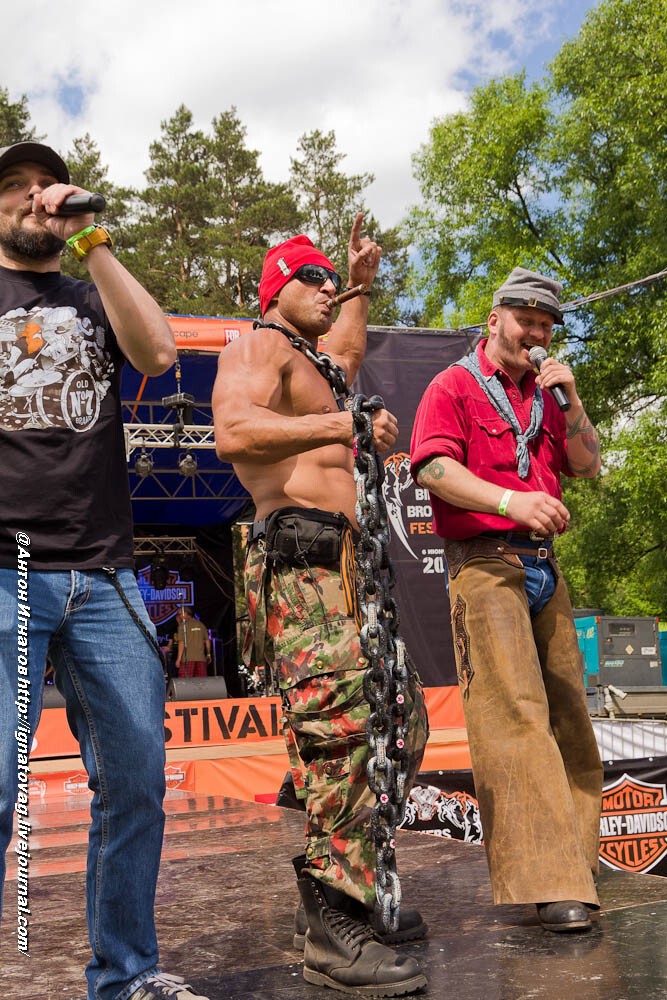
(196, 688)
(52, 697)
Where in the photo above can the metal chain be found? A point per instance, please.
(386, 677)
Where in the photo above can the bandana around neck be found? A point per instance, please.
(493, 389)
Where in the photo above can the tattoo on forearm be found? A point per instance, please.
(589, 441)
(432, 470)
(589, 435)
(575, 428)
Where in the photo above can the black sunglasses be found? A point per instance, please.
(313, 274)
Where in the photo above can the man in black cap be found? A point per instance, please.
(67, 588)
(490, 445)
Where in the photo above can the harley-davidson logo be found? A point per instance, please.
(163, 604)
(76, 784)
(633, 824)
(174, 775)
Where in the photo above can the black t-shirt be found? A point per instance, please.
(63, 470)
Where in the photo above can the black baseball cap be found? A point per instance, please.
(34, 152)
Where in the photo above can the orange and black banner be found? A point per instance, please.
(633, 821)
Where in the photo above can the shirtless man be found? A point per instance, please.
(278, 422)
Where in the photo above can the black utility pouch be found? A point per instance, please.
(302, 536)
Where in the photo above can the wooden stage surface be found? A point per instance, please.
(225, 906)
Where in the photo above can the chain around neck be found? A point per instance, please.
(332, 372)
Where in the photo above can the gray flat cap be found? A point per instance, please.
(34, 152)
(528, 288)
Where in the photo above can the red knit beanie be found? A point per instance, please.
(282, 261)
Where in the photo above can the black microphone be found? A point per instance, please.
(81, 204)
(537, 355)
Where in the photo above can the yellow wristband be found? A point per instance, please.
(83, 242)
(504, 500)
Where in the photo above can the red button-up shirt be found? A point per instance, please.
(455, 419)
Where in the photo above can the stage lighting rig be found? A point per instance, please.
(143, 465)
(187, 464)
(159, 573)
(182, 402)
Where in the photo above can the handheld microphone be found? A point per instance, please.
(80, 204)
(537, 355)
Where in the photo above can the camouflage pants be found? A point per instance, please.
(301, 627)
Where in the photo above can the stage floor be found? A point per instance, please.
(226, 900)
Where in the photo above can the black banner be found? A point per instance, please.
(399, 364)
(633, 823)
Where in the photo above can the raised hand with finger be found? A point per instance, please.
(363, 255)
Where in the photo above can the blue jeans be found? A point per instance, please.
(540, 583)
(112, 681)
(539, 586)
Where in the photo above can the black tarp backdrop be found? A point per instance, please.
(633, 822)
(399, 364)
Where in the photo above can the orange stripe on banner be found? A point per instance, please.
(206, 333)
(445, 707)
(226, 722)
(235, 772)
(210, 333)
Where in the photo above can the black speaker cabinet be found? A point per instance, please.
(196, 688)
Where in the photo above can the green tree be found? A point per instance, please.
(485, 179)
(170, 243)
(615, 557)
(329, 200)
(87, 170)
(610, 152)
(251, 215)
(15, 120)
(570, 177)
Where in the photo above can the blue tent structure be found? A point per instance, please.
(183, 519)
(213, 495)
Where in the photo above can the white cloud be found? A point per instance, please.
(377, 73)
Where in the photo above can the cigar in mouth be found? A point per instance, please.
(349, 293)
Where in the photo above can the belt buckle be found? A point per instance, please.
(543, 550)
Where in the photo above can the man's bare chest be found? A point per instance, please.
(306, 390)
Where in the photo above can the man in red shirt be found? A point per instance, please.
(490, 445)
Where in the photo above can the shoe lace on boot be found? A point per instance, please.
(354, 932)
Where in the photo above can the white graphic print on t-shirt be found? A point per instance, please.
(54, 370)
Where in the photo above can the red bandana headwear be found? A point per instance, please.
(282, 261)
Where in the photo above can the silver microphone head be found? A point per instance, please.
(536, 356)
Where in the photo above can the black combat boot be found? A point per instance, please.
(341, 950)
(411, 926)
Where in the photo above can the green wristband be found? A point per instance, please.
(504, 500)
(77, 236)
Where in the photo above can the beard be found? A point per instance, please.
(29, 244)
(509, 347)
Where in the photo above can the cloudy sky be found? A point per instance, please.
(377, 72)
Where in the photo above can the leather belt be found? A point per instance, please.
(522, 537)
(524, 543)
